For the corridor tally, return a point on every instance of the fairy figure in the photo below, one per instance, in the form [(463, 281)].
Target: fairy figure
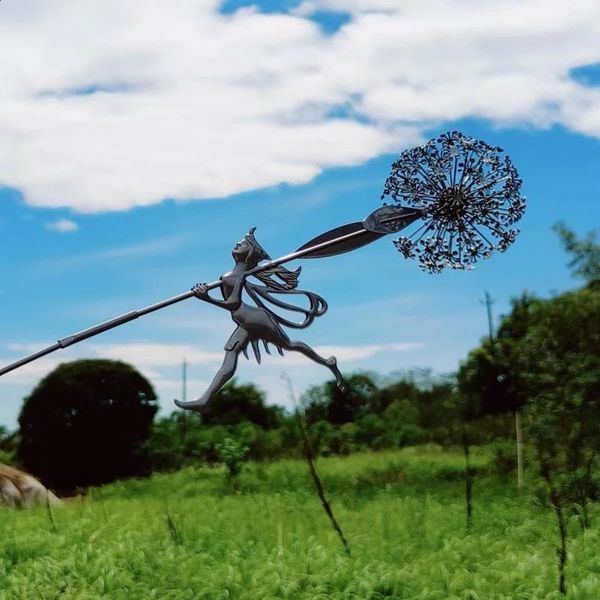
[(260, 322)]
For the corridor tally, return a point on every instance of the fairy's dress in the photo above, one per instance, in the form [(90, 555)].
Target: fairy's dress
[(261, 322)]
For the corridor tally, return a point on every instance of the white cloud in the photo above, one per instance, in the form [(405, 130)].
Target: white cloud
[(148, 356), (115, 104), (353, 353), (152, 359), (161, 363), (155, 247), (156, 356), (62, 226)]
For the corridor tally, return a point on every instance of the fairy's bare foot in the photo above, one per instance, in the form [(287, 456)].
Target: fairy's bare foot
[(332, 364), (198, 405)]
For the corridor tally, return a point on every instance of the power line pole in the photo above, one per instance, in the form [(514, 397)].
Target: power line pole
[(184, 380), (488, 303), (183, 415)]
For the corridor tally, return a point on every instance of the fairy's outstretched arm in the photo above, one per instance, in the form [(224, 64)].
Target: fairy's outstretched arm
[(231, 303)]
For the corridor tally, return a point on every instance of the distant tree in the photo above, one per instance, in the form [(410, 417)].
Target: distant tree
[(584, 253), (232, 454), (327, 402), (84, 424), (403, 424), (418, 406), (489, 379), (8, 446), (546, 359), (402, 389), (166, 448), (236, 403), (414, 407), (559, 362), (7, 439)]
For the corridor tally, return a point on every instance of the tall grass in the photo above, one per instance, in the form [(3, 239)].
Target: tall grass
[(403, 513)]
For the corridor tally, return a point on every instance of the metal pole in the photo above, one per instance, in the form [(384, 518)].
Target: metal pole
[(135, 314), (402, 218), (519, 435), (518, 427), (184, 380), (183, 415), (488, 302)]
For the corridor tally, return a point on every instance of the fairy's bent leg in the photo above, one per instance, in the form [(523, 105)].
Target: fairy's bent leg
[(330, 363), (224, 374)]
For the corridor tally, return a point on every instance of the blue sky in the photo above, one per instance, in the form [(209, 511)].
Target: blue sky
[(134, 165)]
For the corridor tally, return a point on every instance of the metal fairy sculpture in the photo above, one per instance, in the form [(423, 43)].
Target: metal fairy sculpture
[(259, 323), (465, 192)]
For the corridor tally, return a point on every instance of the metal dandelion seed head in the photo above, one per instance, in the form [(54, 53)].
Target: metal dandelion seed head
[(470, 192)]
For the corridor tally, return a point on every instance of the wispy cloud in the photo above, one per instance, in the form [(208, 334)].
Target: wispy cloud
[(359, 353), (62, 226), (158, 355), (143, 355), (161, 363), (155, 247)]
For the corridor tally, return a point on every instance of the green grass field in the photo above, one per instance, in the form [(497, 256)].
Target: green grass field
[(189, 535)]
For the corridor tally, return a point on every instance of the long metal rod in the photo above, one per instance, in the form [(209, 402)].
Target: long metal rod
[(135, 314)]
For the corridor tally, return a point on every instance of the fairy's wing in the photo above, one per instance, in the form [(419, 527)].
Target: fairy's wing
[(266, 297)]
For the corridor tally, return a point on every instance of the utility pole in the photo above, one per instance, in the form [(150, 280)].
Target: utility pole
[(488, 303), (184, 380), (519, 436), (518, 428), (184, 398)]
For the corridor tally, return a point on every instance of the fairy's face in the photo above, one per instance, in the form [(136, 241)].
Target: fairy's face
[(242, 250)]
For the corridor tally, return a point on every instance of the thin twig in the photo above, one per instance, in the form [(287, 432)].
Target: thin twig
[(556, 504), (50, 513), (310, 459)]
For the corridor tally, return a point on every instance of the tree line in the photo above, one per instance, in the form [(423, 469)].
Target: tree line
[(92, 421)]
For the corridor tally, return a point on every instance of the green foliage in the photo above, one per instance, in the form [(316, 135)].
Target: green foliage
[(413, 409), (546, 359), (490, 379), (7, 458), (327, 402), (85, 423), (232, 454), (9, 443), (235, 403), (584, 253), (402, 512), (560, 363), (505, 458)]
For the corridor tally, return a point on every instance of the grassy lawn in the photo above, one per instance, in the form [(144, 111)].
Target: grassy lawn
[(191, 535)]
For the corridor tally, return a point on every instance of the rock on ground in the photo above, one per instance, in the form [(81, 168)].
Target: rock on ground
[(21, 490)]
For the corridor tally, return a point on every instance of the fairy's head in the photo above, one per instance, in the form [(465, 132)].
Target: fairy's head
[(249, 251)]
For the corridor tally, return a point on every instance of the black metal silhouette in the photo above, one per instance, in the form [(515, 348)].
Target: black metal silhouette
[(471, 194), (260, 322), (465, 191), (338, 240)]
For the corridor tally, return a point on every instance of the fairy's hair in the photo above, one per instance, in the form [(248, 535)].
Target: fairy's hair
[(286, 279), (258, 252)]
